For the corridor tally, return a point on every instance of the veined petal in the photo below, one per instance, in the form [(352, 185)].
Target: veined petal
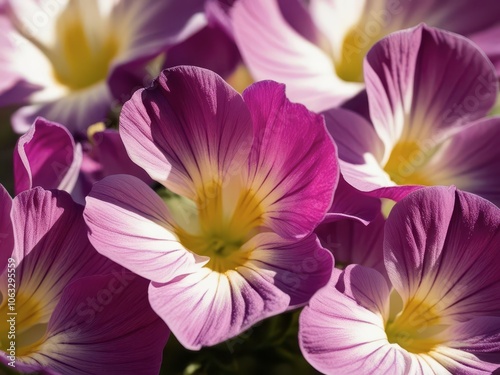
[(51, 246), (470, 159), (423, 83), (98, 313), (344, 333), (188, 130), (46, 156), (352, 242), (6, 231), (441, 250), (272, 49), (206, 307), (473, 346), (292, 167), (350, 203), (130, 224), (299, 268)]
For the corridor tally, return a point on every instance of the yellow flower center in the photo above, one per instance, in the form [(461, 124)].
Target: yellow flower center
[(218, 224), (415, 328), (22, 324), (349, 66), (82, 54), (406, 164)]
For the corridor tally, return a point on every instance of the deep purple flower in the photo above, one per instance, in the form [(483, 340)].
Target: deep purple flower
[(440, 312), (255, 175)]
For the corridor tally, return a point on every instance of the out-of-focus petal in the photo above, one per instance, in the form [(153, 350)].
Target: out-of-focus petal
[(272, 49)]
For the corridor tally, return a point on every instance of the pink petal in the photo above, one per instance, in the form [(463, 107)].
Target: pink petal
[(470, 159), (6, 234), (272, 49), (129, 223), (98, 313), (344, 333), (206, 308), (423, 83), (46, 156), (189, 129), (300, 268), (293, 164), (441, 248), (352, 242)]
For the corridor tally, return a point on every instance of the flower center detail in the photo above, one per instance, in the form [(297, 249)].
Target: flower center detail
[(219, 225), (406, 164), (23, 323), (83, 52), (415, 328)]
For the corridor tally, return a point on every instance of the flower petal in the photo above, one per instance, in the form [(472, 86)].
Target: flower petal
[(77, 111), (51, 245), (425, 82), (187, 130), (272, 49), (299, 268), (205, 308), (102, 312), (292, 166), (129, 223), (473, 347), (441, 248), (344, 333), (149, 28), (350, 203), (486, 39), (352, 242), (46, 156), (6, 233), (470, 159)]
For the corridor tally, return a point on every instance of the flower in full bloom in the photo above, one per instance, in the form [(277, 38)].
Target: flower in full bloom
[(429, 91), (440, 312), (68, 60), (318, 51), (74, 311), (256, 174)]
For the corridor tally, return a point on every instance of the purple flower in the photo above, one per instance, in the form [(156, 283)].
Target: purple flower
[(318, 49), (68, 60), (71, 304), (429, 92), (255, 175), (439, 314)]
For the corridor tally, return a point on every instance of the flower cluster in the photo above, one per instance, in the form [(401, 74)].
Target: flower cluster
[(201, 168)]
